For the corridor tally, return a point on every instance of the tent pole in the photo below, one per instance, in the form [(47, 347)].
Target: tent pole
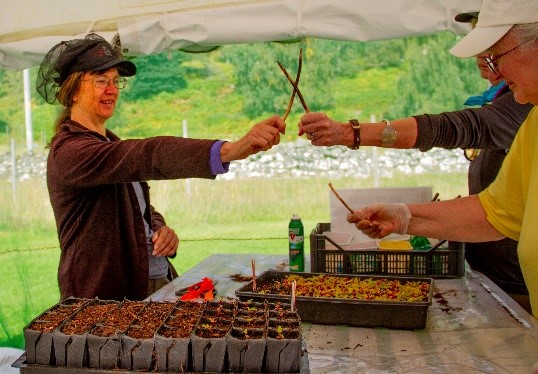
[(28, 110)]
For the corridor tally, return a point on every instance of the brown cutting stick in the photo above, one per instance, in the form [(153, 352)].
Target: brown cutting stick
[(345, 204), (297, 77), (295, 87), (348, 207), (253, 266), (340, 198)]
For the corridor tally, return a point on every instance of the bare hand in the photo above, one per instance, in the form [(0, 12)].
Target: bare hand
[(261, 137), (323, 131), (165, 242)]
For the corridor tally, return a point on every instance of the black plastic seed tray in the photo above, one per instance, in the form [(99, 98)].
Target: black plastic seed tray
[(352, 312), (439, 263), (85, 336)]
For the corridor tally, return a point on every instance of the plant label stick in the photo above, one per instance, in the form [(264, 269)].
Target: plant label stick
[(253, 265), (293, 287)]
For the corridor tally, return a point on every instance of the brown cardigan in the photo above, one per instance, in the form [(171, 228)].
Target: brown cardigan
[(100, 227)]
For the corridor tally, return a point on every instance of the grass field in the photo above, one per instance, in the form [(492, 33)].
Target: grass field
[(237, 216)]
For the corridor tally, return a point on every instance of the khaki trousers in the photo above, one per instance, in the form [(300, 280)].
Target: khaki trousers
[(156, 284)]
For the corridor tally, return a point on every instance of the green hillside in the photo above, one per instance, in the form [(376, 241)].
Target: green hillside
[(223, 92)]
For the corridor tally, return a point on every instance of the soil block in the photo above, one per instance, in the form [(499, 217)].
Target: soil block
[(250, 323), (245, 350), (30, 341), (138, 342), (172, 341), (70, 347), (251, 308), (126, 347), (179, 359), (219, 305), (44, 352), (70, 350), (142, 355), (284, 323), (136, 354), (103, 352), (208, 353), (104, 344), (283, 315), (172, 354), (283, 352)]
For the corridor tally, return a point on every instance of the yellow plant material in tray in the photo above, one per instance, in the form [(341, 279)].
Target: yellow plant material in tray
[(402, 245), (354, 300), (323, 285)]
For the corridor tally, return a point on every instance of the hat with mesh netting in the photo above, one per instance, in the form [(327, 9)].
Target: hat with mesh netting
[(93, 53)]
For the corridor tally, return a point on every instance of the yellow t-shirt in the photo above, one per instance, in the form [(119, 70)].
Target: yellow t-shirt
[(511, 201)]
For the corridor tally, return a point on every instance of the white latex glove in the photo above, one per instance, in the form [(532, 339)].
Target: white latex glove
[(380, 220)]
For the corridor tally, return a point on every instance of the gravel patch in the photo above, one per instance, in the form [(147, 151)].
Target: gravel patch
[(297, 159)]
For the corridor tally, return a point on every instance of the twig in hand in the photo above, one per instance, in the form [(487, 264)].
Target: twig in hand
[(348, 207), (253, 264), (340, 198), (295, 87), (297, 77), (435, 197)]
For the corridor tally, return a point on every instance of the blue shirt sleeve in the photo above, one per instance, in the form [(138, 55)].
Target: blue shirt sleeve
[(215, 163)]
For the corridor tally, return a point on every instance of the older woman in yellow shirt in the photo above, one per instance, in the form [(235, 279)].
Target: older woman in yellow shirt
[(508, 31)]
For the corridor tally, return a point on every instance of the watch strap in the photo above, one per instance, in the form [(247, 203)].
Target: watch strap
[(356, 133)]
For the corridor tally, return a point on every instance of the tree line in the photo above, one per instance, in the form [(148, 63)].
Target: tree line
[(429, 78)]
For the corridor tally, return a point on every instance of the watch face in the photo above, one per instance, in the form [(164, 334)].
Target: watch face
[(388, 136)]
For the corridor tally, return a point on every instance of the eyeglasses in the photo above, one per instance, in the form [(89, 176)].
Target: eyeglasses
[(491, 60), (103, 82)]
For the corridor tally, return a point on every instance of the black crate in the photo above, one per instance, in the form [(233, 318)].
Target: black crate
[(439, 263)]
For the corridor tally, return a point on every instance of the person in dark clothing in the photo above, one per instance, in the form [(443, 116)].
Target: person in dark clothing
[(488, 131), (114, 244)]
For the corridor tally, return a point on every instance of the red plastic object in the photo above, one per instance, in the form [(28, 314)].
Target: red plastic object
[(200, 290)]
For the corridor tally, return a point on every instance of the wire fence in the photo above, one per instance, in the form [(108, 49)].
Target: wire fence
[(36, 249)]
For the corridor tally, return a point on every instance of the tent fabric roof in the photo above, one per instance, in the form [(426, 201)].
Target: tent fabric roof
[(29, 28)]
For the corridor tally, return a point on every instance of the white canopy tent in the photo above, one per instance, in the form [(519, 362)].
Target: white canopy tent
[(29, 28)]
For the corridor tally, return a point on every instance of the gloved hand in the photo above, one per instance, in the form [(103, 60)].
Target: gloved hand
[(380, 220)]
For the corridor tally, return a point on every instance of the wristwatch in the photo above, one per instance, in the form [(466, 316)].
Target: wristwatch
[(388, 135), (356, 133)]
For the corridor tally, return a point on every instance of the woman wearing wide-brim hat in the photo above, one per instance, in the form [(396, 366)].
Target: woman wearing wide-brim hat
[(114, 245)]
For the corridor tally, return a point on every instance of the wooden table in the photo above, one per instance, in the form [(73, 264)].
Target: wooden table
[(472, 327)]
